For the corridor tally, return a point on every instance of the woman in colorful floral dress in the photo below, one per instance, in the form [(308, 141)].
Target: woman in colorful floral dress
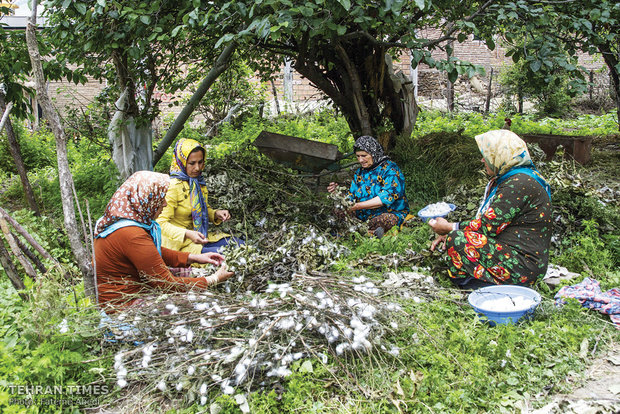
[(508, 240), (378, 188)]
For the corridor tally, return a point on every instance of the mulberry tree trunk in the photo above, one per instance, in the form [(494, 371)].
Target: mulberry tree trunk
[(364, 85), (64, 173)]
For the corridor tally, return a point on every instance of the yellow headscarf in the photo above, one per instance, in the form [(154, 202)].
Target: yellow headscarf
[(503, 150), (181, 151)]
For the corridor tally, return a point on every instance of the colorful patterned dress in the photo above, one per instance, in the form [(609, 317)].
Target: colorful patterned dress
[(509, 243), (385, 181)]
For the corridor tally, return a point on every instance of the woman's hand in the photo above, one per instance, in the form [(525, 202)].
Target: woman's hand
[(221, 275), (332, 187), (222, 215), (209, 257), (196, 236), (440, 225), (441, 241)]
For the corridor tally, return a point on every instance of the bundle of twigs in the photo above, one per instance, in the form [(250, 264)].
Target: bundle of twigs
[(198, 344)]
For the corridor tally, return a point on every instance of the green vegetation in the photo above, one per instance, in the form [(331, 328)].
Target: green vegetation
[(448, 360)]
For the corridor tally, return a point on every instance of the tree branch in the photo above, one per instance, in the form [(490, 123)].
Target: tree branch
[(452, 28), (220, 65)]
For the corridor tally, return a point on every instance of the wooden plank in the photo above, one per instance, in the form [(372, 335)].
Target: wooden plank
[(575, 146)]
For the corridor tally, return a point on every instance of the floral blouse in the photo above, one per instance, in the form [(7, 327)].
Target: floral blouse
[(385, 181), (510, 242)]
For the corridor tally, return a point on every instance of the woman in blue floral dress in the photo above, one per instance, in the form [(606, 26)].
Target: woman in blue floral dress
[(377, 188), (508, 240)]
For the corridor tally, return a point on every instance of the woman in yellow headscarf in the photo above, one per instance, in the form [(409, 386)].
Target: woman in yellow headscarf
[(185, 220), (508, 240)]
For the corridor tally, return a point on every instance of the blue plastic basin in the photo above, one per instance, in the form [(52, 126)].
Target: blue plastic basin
[(478, 297)]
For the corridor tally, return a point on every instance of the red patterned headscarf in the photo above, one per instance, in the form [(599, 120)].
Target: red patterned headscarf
[(139, 198)]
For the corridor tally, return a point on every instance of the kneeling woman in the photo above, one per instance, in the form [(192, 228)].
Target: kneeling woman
[(378, 188), (185, 220), (129, 258), (508, 240)]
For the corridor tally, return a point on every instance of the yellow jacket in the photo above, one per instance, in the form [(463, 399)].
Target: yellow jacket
[(177, 217)]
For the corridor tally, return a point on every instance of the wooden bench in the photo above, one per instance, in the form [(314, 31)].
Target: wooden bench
[(576, 147)]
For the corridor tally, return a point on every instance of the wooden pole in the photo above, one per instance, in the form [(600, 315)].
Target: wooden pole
[(487, 104), (11, 271), (30, 254), (27, 236), (92, 249), (16, 250), (275, 95), (79, 209), (16, 153)]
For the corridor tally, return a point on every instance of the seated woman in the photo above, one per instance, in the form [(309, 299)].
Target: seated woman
[(129, 258), (378, 188), (508, 240), (185, 220)]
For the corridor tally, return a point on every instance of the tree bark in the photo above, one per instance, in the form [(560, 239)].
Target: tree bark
[(64, 173), (11, 271), (220, 65), (17, 158)]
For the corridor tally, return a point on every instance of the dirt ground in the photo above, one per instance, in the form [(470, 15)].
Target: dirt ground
[(599, 394)]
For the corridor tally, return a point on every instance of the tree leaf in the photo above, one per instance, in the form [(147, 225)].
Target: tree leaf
[(346, 4), (145, 19), (453, 75), (419, 4), (175, 31), (81, 8)]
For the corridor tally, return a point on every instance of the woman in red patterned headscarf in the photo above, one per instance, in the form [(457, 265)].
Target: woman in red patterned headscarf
[(129, 258)]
